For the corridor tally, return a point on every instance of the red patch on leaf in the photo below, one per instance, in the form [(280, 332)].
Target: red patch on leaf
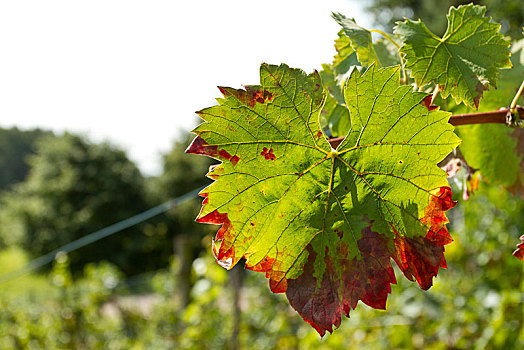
[(262, 96), (440, 201), (205, 196), (219, 219), (225, 255), (268, 154), (420, 258), (250, 96), (225, 154), (234, 160), (200, 146), (271, 267), (256, 95), (367, 278), (226, 263), (278, 286), (426, 102), (264, 265), (519, 252)]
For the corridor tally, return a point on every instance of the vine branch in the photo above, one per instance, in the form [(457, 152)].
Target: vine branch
[(498, 117)]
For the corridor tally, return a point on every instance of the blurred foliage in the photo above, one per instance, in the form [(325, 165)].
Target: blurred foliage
[(74, 188), (15, 146), (475, 304), (510, 13), (176, 231), (181, 173)]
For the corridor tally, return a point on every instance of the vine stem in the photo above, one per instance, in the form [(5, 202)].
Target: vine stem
[(386, 36), (497, 117), (514, 102)]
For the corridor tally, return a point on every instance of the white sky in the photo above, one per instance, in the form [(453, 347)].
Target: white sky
[(134, 72)]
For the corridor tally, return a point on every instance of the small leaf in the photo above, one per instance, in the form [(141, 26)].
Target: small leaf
[(324, 224), (332, 84), (334, 115), (386, 53), (464, 62), (346, 56), (360, 39)]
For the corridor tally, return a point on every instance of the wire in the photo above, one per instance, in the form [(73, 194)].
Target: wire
[(98, 235)]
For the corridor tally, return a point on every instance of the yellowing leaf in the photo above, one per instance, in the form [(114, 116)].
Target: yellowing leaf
[(324, 224)]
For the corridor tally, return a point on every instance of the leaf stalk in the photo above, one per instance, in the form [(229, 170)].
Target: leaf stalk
[(516, 98), (496, 117)]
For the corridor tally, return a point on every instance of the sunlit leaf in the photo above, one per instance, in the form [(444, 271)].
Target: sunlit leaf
[(464, 62), (323, 224)]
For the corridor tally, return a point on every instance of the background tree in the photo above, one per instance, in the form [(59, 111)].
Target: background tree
[(510, 13), (176, 231), (15, 146), (75, 187)]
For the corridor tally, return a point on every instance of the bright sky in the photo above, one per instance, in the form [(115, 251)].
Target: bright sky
[(134, 72)]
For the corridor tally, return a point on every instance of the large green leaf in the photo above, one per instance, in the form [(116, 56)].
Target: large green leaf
[(323, 224), (464, 62)]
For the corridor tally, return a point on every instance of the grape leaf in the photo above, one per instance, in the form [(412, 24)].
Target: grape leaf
[(332, 84), (324, 224), (491, 149), (464, 62), (359, 39), (494, 149), (335, 115), (346, 57), (386, 53), (335, 118)]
